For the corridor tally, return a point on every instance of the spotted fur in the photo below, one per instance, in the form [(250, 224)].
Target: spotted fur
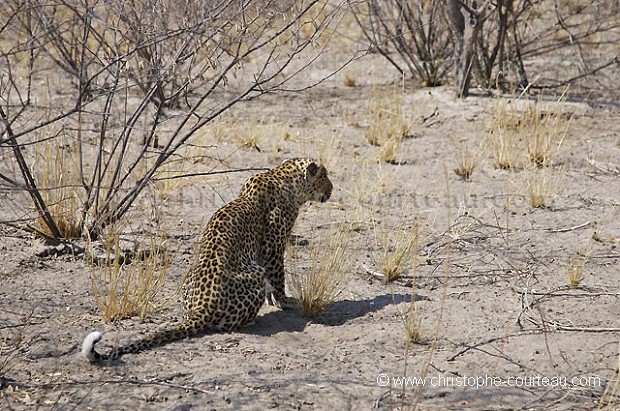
[(241, 257)]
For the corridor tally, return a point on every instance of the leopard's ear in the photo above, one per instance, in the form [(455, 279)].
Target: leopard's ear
[(312, 169)]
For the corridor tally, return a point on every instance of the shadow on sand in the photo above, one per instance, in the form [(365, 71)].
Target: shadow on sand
[(338, 313)]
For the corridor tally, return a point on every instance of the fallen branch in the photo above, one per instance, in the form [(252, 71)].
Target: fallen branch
[(564, 230), (488, 341), (587, 329), (210, 173)]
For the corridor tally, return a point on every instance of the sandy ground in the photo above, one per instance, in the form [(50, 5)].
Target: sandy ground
[(496, 315)]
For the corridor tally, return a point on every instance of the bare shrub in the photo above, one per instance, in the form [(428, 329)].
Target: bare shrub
[(417, 31), (139, 79), (497, 44)]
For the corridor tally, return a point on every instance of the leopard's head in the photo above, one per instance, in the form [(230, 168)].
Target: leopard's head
[(320, 187), (313, 182)]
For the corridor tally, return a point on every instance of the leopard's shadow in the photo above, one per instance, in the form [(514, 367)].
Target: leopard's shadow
[(338, 313)]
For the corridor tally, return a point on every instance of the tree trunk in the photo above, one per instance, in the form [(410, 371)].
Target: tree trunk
[(466, 24)]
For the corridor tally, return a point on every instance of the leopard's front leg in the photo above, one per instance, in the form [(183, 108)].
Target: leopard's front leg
[(272, 253)]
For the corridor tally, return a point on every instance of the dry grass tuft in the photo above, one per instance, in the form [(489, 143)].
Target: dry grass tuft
[(537, 190), (412, 321), (610, 400), (468, 162), (125, 289), (263, 135), (576, 266), (327, 272), (349, 80), (542, 186), (536, 130), (399, 247), (56, 165), (250, 137), (603, 238), (504, 138), (388, 124), (543, 133)]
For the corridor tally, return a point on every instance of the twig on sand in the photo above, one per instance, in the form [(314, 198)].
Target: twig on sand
[(564, 230)]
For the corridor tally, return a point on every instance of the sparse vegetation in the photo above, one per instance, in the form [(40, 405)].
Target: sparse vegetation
[(416, 31), (126, 284), (611, 396), (543, 133), (467, 162), (529, 139), (388, 124), (505, 137), (489, 281), (575, 269), (55, 163), (489, 43), (411, 319), (542, 185), (327, 272), (137, 84), (398, 248), (412, 322), (535, 132), (349, 80), (537, 189), (602, 238)]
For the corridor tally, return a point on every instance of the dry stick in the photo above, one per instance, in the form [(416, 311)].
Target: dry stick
[(564, 230), (587, 329), (210, 173), (544, 325), (613, 61), (488, 341), (557, 292), (553, 294), (373, 273)]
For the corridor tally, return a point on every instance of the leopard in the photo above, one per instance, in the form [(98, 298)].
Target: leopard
[(239, 264)]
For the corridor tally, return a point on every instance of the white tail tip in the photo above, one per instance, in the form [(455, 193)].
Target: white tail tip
[(88, 346)]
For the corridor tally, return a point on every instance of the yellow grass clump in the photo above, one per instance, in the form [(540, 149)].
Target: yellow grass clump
[(327, 272), (535, 133), (542, 185), (388, 124), (504, 137), (576, 266), (398, 248), (55, 164), (123, 289), (468, 162)]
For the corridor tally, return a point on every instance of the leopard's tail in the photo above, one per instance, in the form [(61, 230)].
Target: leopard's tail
[(165, 336)]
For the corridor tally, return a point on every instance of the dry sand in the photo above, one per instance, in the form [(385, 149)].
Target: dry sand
[(492, 300)]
